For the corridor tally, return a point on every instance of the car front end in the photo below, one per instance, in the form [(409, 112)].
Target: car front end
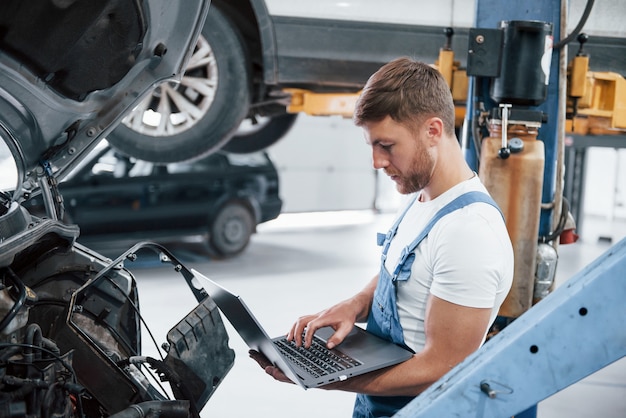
[(70, 324)]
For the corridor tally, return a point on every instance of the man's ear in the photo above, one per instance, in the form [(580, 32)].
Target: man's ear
[(434, 126)]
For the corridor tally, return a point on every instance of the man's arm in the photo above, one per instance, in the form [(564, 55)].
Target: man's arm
[(452, 333)]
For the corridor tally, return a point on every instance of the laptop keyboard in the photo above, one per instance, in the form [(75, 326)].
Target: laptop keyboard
[(317, 359)]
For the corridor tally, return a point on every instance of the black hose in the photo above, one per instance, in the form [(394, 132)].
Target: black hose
[(560, 226), (49, 400), (18, 304), (149, 409), (51, 345), (167, 374), (33, 338), (578, 28)]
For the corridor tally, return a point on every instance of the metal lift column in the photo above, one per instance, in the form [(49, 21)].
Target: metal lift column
[(489, 14)]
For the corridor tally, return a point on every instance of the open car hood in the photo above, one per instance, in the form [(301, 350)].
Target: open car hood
[(70, 70), (70, 317)]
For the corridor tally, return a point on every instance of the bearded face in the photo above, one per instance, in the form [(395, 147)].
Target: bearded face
[(418, 173), (403, 151)]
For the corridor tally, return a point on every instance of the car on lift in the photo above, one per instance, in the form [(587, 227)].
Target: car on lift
[(235, 92), (223, 196), (233, 95)]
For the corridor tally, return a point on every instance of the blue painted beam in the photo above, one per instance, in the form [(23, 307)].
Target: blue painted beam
[(575, 331)]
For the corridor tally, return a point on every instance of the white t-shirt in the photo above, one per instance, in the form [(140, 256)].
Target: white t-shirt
[(466, 259)]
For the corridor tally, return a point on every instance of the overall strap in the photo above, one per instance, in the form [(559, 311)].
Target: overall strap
[(382, 238), (461, 201)]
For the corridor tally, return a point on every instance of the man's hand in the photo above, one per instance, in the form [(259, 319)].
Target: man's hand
[(341, 317), (269, 368)]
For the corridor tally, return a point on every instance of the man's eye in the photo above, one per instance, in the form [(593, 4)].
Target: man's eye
[(385, 147)]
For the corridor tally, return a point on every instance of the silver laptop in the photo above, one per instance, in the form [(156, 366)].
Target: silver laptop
[(359, 353)]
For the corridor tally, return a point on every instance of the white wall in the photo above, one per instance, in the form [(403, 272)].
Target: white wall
[(605, 183), (606, 17), (325, 164)]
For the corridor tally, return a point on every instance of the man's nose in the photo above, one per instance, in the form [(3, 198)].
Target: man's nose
[(379, 160)]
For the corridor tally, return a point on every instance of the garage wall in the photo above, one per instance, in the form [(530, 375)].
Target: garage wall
[(605, 183), (325, 165), (606, 17)]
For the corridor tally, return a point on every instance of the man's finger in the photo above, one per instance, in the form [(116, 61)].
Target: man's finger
[(260, 358), (277, 374), (338, 336), (268, 367)]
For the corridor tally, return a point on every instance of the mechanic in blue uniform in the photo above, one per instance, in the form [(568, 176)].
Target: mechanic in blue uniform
[(447, 261)]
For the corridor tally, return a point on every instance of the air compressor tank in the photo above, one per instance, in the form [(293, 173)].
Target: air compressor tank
[(516, 183)]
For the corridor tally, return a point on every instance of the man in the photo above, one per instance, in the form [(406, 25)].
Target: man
[(440, 295)]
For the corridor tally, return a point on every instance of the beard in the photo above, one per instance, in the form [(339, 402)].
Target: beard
[(418, 176)]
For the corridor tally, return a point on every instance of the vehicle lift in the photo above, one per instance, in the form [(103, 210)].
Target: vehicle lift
[(547, 339), (564, 334)]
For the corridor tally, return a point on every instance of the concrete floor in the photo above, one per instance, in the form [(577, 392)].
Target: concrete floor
[(299, 264)]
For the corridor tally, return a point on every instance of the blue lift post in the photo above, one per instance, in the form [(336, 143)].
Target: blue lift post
[(489, 14)]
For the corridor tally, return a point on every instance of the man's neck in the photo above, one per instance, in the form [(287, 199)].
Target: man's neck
[(449, 171)]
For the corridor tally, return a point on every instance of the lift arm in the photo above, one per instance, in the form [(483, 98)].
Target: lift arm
[(575, 331)]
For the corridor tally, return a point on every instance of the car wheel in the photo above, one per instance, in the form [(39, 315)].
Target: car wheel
[(231, 229), (193, 118), (253, 137)]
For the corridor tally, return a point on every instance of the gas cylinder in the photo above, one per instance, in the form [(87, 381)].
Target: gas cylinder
[(545, 270), (515, 183)]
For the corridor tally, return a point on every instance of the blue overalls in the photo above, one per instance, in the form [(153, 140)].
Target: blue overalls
[(383, 319)]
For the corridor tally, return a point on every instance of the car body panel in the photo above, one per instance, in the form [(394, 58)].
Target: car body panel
[(342, 55), (335, 44), (410, 12), (604, 21)]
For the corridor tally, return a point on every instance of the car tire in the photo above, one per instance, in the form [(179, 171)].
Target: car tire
[(213, 98), (267, 131), (230, 230)]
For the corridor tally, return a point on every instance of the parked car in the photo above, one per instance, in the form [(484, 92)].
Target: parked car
[(233, 95), (223, 196)]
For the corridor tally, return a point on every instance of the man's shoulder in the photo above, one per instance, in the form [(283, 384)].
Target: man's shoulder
[(475, 219), (474, 198)]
